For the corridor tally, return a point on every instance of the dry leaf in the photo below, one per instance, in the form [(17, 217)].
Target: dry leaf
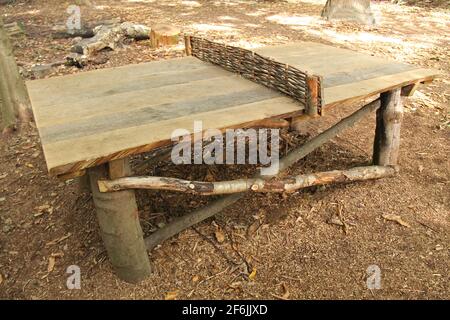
[(195, 279), (171, 295), (396, 218), (252, 275), (220, 237), (51, 264)]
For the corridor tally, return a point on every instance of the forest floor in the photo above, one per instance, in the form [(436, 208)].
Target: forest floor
[(47, 225)]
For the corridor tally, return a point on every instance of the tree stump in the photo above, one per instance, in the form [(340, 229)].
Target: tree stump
[(120, 228), (387, 132), (164, 35), (354, 10)]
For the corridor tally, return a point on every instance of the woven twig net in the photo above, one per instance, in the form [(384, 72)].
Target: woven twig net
[(252, 66)]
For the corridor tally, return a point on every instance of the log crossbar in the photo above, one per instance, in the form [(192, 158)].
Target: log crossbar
[(289, 184)]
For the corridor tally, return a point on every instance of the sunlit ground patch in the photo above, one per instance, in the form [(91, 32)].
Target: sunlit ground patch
[(223, 28), (297, 20), (141, 1), (228, 18), (193, 4)]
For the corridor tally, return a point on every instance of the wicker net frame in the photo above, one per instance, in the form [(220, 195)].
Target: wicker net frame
[(303, 87)]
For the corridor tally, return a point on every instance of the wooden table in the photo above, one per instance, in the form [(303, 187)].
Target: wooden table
[(93, 118)]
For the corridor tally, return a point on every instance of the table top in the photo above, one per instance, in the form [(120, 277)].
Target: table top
[(93, 117)]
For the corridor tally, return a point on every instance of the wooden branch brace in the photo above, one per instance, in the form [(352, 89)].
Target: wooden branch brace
[(289, 184)]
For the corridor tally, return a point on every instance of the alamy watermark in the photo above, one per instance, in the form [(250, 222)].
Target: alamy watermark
[(373, 280), (213, 147), (74, 280), (74, 21)]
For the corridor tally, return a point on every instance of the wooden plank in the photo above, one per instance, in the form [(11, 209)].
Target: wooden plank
[(91, 88), (112, 76), (157, 98), (298, 49), (352, 92), (79, 153), (303, 57), (337, 66), (365, 73), (147, 115)]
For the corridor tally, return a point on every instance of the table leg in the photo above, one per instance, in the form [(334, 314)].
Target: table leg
[(120, 228), (387, 132)]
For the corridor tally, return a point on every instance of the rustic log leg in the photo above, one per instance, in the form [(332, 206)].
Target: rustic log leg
[(387, 132), (119, 224)]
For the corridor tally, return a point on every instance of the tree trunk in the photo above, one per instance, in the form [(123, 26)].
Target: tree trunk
[(120, 228), (354, 10), (15, 104)]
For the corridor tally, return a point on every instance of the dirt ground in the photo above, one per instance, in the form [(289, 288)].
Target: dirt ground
[(296, 252)]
